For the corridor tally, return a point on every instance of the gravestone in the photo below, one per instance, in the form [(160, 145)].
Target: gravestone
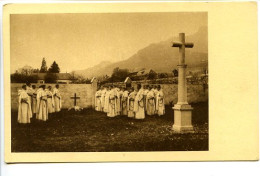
[(75, 107), (75, 99)]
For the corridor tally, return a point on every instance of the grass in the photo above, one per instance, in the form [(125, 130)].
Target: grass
[(91, 131)]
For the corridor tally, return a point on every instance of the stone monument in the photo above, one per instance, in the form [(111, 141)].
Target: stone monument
[(182, 110)]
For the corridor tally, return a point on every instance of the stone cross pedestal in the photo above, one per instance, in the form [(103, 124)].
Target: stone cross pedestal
[(182, 110)]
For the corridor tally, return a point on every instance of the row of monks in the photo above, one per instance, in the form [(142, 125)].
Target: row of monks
[(134, 103), (38, 102)]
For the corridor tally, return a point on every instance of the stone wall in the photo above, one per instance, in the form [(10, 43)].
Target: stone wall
[(195, 93), (84, 91)]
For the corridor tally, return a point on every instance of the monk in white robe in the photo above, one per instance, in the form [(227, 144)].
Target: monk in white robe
[(29, 91), (150, 102), (145, 94), (38, 102), (34, 103), (155, 94), (50, 100), (106, 102), (118, 101), (98, 100), (112, 105), (160, 107), (24, 108), (139, 103), (103, 95), (130, 104), (42, 106), (57, 98), (124, 99)]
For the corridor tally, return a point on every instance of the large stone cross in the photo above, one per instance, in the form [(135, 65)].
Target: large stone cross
[(182, 88), (182, 110), (182, 45), (75, 99)]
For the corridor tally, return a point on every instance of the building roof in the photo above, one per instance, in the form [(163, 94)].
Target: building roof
[(93, 79), (60, 76), (141, 72), (128, 80)]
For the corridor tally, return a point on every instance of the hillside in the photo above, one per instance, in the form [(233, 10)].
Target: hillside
[(160, 57)]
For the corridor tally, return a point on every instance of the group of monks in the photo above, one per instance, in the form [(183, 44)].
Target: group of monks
[(134, 103), (38, 103)]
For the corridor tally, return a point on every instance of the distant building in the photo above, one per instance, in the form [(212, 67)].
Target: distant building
[(141, 74), (63, 78), (128, 82)]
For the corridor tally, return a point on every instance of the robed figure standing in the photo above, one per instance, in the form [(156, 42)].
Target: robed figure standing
[(57, 98), (98, 100), (50, 100), (42, 106), (29, 91), (103, 95), (139, 103), (150, 102), (130, 103), (34, 102), (160, 107), (146, 87), (124, 99), (106, 101), (112, 105), (154, 89), (24, 108), (118, 100)]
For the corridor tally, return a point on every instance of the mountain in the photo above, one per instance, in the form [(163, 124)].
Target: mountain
[(160, 57), (94, 71)]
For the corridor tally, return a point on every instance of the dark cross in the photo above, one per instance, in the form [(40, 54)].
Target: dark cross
[(182, 45), (75, 99)]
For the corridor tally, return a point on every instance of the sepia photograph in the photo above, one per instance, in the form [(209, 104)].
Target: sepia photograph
[(127, 82), (109, 82)]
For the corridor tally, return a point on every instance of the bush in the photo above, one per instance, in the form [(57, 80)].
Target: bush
[(50, 78), (152, 75), (119, 75), (162, 75), (21, 78)]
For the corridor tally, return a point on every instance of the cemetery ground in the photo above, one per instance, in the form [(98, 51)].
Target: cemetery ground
[(91, 131)]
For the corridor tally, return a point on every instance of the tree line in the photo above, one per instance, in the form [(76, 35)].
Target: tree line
[(27, 74), (119, 75)]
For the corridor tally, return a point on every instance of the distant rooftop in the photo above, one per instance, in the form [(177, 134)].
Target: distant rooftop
[(60, 76)]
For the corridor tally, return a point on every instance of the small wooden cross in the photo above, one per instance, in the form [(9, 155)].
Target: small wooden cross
[(182, 45), (75, 99)]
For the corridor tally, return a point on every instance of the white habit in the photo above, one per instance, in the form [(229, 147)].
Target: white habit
[(42, 107), (24, 109), (98, 100), (50, 101), (139, 105), (160, 108), (150, 103), (57, 100), (112, 106)]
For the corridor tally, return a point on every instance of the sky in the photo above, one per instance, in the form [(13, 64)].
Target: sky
[(80, 41)]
